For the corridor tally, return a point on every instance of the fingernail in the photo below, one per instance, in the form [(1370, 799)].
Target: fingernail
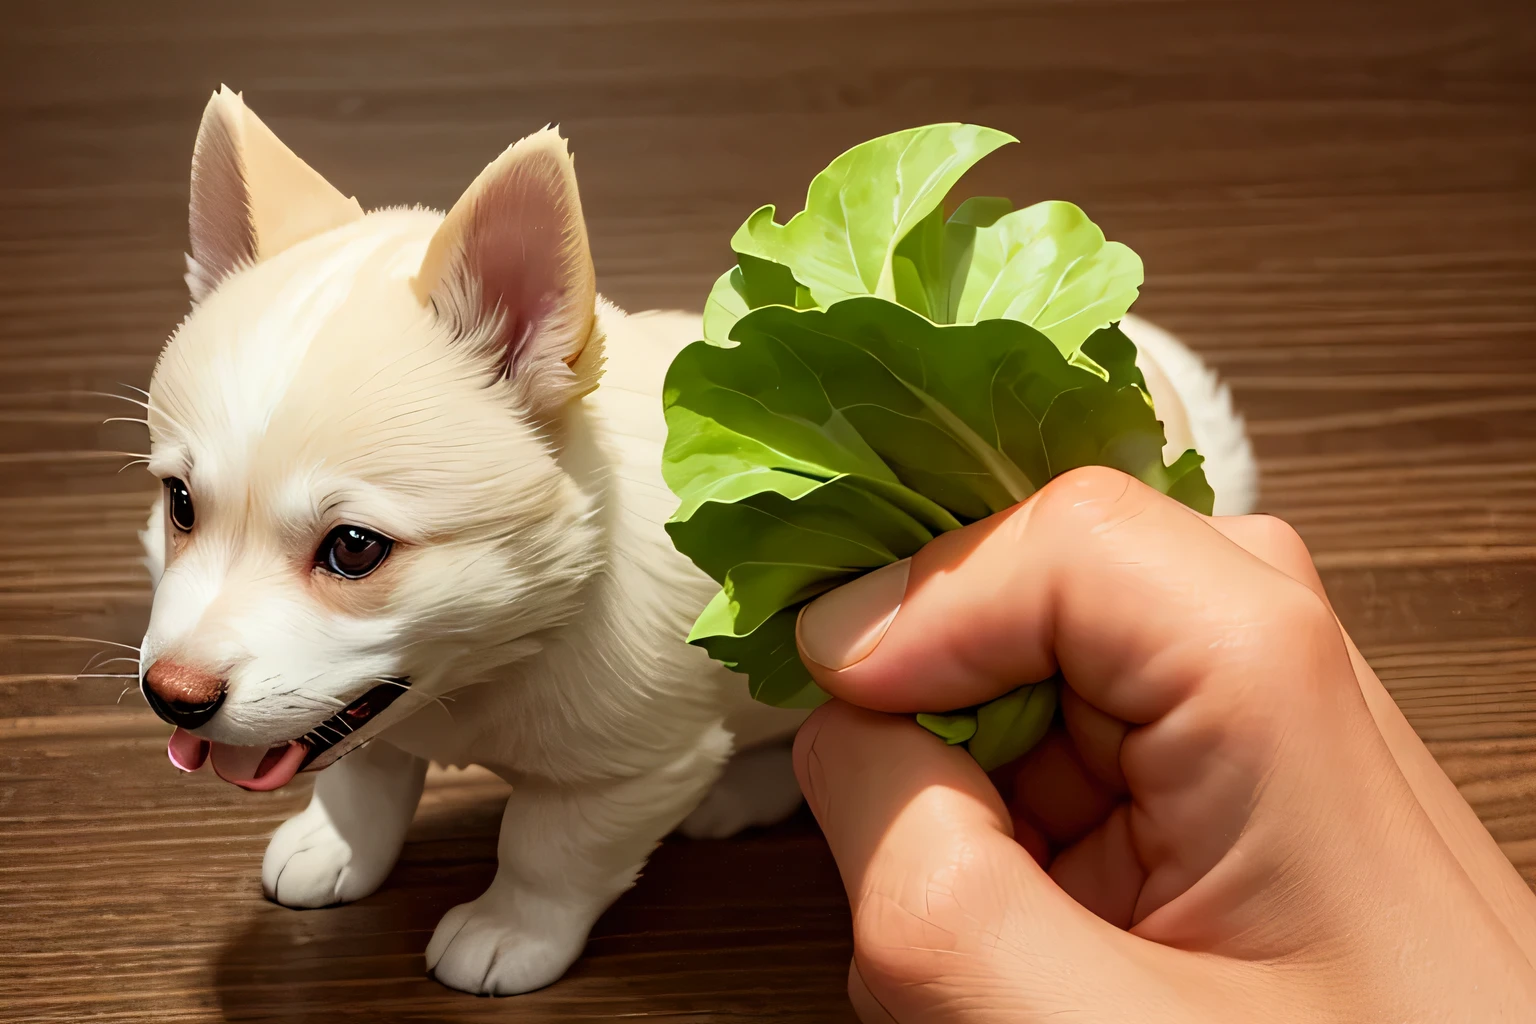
[(841, 628)]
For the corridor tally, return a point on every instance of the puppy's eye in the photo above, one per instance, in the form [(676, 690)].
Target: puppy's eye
[(178, 502), (353, 552)]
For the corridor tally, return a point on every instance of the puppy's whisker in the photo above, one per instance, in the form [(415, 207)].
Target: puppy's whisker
[(143, 404), (102, 394), (109, 661), (331, 729), (318, 699), (66, 639), (441, 701), (310, 695), (94, 663)]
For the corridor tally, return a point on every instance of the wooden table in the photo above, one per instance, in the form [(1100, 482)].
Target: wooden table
[(1336, 203)]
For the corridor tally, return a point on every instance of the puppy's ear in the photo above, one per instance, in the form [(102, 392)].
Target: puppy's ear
[(510, 268), (251, 197)]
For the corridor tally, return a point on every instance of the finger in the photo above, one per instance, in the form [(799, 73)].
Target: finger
[(1056, 794), (1101, 870), (1458, 825), (948, 912), (1098, 738), (1130, 594), (1276, 542), (865, 1006), (1216, 660), (877, 783)]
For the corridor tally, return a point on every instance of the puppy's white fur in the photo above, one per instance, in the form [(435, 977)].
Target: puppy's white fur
[(436, 380), (1197, 413)]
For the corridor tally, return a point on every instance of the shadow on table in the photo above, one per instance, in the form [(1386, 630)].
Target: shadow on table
[(748, 929), (365, 959)]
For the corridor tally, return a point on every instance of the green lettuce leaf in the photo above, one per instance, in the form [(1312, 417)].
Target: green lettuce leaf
[(874, 224), (1049, 266), (1002, 730), (930, 265), (751, 283), (826, 443), (862, 205), (767, 655), (953, 729), (874, 373), (1007, 728)]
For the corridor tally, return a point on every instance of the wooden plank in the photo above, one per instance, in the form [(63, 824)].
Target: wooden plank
[(1336, 206)]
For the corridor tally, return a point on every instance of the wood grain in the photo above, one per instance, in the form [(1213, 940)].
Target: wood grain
[(1335, 201)]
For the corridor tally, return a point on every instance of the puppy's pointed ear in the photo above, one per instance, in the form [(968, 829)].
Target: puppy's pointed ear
[(251, 197), (510, 267)]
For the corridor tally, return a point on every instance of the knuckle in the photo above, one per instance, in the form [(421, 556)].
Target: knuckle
[(1279, 539), (1091, 483), (1081, 500)]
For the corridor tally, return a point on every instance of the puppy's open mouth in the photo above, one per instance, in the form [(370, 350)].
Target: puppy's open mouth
[(265, 768)]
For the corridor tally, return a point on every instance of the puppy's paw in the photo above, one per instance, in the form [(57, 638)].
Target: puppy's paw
[(506, 943), (757, 788), (309, 864)]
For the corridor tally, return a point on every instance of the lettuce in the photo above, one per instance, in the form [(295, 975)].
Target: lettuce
[(874, 373)]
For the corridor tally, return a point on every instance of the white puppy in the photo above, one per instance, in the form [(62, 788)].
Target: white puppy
[(391, 477)]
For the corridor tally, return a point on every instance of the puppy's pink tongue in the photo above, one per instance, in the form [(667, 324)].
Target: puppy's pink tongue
[(258, 768), (186, 751)]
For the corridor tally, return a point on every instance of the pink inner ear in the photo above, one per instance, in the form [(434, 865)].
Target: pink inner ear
[(219, 216), (518, 247)]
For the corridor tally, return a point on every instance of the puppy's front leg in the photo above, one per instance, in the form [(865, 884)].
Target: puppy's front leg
[(564, 855), (341, 847)]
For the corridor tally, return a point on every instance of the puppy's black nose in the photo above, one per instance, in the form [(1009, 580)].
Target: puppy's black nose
[(183, 695)]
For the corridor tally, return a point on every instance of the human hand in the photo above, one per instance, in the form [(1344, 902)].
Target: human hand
[(1231, 821)]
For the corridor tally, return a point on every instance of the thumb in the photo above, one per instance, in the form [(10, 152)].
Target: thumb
[(951, 917)]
